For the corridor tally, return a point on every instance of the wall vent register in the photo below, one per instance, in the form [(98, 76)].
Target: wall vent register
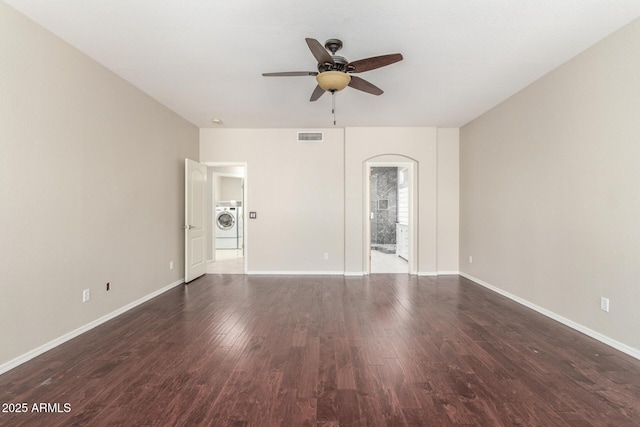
[(310, 136)]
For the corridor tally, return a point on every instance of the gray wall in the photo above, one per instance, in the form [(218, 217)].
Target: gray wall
[(550, 191), (91, 189)]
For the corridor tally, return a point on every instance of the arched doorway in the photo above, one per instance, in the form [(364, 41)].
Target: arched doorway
[(390, 235)]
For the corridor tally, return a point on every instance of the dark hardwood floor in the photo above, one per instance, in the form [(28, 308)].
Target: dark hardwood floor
[(383, 350)]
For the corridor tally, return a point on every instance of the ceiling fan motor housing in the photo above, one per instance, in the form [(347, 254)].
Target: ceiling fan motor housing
[(340, 63)]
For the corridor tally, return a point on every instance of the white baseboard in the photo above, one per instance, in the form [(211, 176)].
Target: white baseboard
[(631, 351), (427, 273), (66, 337), (341, 273), (296, 273)]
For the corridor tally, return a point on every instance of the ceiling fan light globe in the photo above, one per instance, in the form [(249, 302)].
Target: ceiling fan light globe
[(333, 80)]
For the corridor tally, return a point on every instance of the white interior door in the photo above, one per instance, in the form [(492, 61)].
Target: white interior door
[(195, 242)]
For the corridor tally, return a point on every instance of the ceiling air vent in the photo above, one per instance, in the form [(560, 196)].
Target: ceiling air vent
[(310, 136)]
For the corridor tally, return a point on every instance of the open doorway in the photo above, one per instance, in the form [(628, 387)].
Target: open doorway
[(227, 220), (390, 217)]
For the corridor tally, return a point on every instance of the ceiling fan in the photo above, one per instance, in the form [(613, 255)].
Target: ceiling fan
[(335, 72)]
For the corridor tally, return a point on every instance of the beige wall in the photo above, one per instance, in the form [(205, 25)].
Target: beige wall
[(550, 197), (231, 188), (448, 201), (309, 196), (91, 189), (295, 188)]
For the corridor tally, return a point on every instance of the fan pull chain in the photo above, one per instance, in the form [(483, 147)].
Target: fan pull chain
[(333, 106)]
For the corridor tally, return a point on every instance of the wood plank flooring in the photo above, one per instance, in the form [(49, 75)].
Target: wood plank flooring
[(383, 350)]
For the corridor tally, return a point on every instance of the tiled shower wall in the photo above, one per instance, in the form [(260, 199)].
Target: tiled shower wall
[(384, 205)]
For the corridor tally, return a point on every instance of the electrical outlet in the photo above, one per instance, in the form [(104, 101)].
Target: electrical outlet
[(604, 304), (326, 255), (170, 265), (86, 295), (470, 259)]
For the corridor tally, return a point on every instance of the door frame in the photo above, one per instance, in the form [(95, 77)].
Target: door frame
[(245, 196), (412, 167)]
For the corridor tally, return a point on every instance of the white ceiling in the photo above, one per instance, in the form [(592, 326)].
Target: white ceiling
[(204, 58)]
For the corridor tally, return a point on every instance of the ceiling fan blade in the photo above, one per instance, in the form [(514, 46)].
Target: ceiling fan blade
[(374, 62), (317, 93), (365, 86), (319, 52), (291, 73)]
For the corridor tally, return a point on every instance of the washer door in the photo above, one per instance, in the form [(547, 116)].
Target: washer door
[(225, 221)]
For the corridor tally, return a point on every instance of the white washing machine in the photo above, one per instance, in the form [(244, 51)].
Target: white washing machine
[(226, 226)]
